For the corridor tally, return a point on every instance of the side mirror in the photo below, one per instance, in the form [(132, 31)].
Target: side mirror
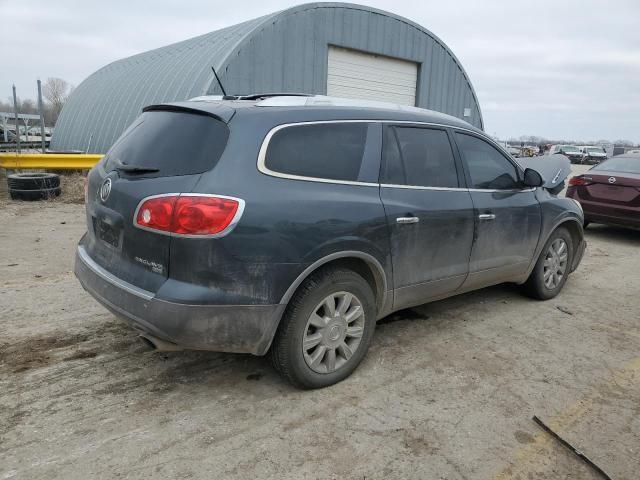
[(532, 178)]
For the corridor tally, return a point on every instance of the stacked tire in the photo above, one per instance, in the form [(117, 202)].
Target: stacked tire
[(33, 186)]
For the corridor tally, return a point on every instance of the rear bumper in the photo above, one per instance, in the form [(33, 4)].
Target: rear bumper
[(221, 328), (607, 213)]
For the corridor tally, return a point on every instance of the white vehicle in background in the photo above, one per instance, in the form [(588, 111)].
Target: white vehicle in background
[(573, 153), (592, 154)]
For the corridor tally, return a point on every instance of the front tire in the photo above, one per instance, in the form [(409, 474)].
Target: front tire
[(552, 268), (326, 329)]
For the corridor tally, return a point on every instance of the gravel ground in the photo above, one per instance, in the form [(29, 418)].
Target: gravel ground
[(447, 391)]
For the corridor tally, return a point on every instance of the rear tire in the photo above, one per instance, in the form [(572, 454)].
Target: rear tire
[(552, 268), (326, 329)]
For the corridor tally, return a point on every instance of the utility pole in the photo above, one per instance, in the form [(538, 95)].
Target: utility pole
[(15, 111), (41, 111)]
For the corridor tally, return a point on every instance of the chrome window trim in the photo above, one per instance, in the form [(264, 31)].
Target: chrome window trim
[(234, 221), (510, 190), (262, 155), (111, 278), (456, 189), (419, 187)]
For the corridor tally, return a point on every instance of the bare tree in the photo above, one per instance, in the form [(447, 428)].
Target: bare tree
[(56, 91)]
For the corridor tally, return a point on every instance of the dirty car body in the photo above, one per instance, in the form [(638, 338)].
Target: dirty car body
[(414, 236)]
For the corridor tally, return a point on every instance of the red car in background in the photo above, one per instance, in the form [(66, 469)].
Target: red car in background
[(609, 193)]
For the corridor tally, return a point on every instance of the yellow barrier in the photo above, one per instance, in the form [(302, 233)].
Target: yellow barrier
[(49, 161)]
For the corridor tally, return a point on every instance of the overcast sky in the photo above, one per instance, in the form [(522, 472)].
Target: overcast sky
[(554, 68)]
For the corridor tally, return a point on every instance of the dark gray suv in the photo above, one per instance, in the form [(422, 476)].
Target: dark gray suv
[(289, 224)]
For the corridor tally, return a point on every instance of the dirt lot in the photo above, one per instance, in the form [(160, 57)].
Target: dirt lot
[(447, 391)]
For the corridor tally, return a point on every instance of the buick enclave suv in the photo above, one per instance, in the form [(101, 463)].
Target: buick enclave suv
[(289, 225)]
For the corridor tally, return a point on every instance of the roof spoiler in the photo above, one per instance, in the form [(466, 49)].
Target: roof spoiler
[(219, 111)]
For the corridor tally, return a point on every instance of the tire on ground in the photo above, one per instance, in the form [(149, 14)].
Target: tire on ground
[(33, 186), (287, 353), (535, 285)]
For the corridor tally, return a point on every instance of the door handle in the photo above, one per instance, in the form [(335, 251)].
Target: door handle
[(486, 216), (405, 220)]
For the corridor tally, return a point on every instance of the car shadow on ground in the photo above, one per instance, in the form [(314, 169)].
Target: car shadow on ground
[(190, 369), (628, 236), (112, 346)]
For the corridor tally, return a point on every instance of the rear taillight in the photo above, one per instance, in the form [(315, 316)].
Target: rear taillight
[(156, 213), (189, 214), (579, 181)]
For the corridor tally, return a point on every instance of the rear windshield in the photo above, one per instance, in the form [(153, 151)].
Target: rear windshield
[(620, 164), (173, 143)]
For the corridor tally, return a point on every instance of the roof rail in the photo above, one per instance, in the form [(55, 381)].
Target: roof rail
[(306, 100), (258, 96), (323, 100), (253, 96)]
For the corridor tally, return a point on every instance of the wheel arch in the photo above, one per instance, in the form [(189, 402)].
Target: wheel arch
[(576, 230), (572, 224), (362, 263), (574, 227)]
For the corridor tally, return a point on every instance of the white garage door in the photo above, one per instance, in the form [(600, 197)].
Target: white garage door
[(354, 74)]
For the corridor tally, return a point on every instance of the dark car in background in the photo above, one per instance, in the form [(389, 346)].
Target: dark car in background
[(609, 192), (289, 225)]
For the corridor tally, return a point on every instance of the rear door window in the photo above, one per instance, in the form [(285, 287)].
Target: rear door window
[(173, 143), (419, 157), (488, 168), (331, 151)]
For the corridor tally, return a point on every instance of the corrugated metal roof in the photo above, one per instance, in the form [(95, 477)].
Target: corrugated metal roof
[(103, 105), (284, 51)]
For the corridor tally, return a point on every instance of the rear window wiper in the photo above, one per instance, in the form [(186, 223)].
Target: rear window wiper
[(125, 167)]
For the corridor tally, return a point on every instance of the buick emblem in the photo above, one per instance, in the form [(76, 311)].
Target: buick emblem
[(612, 179), (105, 190)]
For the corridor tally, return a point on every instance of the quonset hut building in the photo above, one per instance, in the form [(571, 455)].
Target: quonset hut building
[(337, 49)]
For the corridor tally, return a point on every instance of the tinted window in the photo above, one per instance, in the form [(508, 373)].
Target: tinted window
[(175, 143), (488, 168), (418, 156), (326, 150)]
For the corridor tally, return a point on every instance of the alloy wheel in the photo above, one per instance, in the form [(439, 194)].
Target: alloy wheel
[(555, 263), (333, 332)]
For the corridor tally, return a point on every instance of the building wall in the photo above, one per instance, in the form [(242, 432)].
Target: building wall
[(282, 52), (290, 53)]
